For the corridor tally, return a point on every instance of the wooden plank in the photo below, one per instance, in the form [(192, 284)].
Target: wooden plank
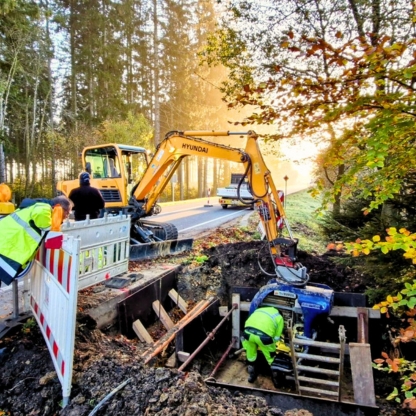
[(362, 374), (171, 362), (161, 344), (141, 332), (162, 315), (182, 305)]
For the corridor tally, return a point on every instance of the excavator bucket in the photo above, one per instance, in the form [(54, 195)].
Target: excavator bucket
[(159, 249)]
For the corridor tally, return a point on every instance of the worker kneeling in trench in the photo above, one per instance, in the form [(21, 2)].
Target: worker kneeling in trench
[(262, 330)]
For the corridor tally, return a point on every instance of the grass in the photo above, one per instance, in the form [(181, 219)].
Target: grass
[(301, 207), (301, 213)]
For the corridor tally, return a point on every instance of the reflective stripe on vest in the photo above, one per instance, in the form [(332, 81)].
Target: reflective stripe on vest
[(7, 268), (27, 228), (271, 316)]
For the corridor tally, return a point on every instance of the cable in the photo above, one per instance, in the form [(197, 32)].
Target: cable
[(242, 180), (109, 395)]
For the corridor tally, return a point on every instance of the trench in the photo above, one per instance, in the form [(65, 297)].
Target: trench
[(204, 342)]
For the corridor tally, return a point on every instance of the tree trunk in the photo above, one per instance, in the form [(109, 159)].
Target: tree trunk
[(156, 74)]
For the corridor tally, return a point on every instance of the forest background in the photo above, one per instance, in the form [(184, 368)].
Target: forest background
[(339, 74)]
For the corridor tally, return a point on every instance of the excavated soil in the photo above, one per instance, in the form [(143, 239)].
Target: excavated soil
[(103, 362)]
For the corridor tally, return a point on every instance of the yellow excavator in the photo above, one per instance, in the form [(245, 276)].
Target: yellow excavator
[(131, 183)]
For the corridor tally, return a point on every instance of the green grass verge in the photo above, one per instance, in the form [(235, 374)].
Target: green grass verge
[(304, 222), (301, 213)]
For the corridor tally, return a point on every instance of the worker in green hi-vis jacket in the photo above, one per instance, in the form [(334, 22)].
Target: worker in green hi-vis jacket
[(262, 330)]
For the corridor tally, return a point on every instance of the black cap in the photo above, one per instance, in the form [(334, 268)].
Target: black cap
[(84, 178)]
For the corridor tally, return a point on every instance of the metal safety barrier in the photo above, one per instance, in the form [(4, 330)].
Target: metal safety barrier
[(104, 249)]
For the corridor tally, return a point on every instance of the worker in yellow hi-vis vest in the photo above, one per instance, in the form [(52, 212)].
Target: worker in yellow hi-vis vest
[(262, 330), (24, 230)]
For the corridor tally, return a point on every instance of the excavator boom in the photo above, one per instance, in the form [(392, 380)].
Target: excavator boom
[(177, 145)]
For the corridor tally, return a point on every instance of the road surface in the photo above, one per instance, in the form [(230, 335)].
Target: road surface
[(194, 217)]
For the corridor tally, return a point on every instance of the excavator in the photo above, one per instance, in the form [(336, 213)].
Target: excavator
[(131, 183)]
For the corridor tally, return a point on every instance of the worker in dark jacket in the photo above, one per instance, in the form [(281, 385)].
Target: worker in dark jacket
[(87, 199), (262, 330), (24, 230)]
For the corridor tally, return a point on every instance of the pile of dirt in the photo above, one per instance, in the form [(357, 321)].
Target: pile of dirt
[(102, 363), (249, 264), (110, 367)]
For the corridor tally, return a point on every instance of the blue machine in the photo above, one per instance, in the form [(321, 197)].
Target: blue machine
[(300, 304)]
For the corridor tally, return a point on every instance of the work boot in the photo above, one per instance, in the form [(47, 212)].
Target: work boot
[(252, 373), (277, 379)]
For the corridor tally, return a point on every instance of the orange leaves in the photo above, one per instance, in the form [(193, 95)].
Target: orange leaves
[(394, 364), (405, 232), (335, 246), (408, 335), (410, 402), (331, 246)]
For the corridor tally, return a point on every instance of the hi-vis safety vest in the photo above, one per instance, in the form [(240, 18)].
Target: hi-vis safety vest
[(21, 234), (267, 320)]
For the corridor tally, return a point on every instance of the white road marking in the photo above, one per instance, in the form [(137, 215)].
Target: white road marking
[(207, 222), (175, 212)]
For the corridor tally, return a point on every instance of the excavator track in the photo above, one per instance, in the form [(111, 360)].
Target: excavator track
[(162, 230), (165, 243)]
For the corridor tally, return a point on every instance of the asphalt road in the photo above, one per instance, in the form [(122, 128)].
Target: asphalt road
[(194, 217)]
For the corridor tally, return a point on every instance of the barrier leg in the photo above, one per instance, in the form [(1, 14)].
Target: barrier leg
[(15, 294)]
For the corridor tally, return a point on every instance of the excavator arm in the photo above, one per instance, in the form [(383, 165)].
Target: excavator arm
[(178, 145)]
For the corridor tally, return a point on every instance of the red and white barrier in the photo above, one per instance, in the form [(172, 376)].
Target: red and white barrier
[(53, 291), (85, 253)]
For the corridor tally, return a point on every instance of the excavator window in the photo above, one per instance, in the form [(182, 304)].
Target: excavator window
[(103, 161), (117, 161)]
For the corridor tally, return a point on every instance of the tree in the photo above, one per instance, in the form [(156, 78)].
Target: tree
[(345, 66), (25, 88), (135, 130)]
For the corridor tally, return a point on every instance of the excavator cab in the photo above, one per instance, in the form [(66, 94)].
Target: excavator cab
[(114, 169)]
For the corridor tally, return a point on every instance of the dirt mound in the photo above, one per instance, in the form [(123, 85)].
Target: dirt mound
[(249, 264)]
